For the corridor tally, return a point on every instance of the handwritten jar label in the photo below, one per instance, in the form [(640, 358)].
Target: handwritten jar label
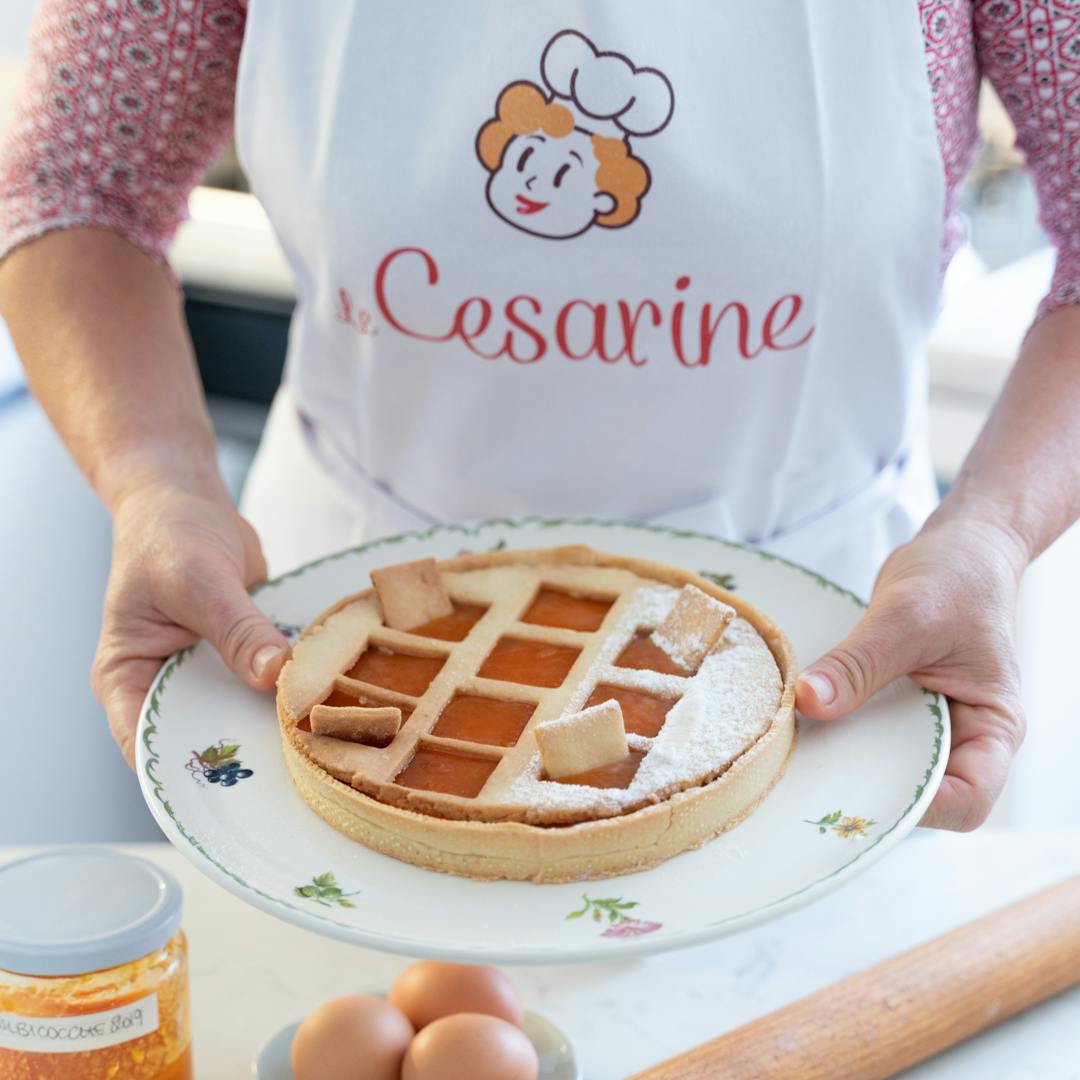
[(76, 1034)]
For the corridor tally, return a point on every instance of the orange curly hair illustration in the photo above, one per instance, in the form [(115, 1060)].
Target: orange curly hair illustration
[(522, 109)]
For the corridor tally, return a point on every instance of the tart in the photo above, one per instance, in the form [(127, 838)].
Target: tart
[(465, 715)]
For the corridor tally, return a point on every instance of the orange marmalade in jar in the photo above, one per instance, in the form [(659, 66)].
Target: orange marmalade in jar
[(93, 969)]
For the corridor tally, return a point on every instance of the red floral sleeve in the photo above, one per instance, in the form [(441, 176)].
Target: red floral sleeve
[(1030, 51), (124, 105), (953, 72)]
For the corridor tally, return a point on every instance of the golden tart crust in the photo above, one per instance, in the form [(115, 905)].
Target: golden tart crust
[(722, 746)]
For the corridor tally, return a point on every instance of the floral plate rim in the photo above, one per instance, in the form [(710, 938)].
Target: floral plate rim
[(154, 789)]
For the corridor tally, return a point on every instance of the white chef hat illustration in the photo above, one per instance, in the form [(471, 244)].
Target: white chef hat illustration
[(607, 94)]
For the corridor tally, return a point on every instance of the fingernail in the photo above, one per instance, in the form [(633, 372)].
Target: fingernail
[(263, 658), (822, 686)]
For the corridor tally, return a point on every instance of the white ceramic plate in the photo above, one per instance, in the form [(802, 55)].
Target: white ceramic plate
[(557, 1061), (210, 766)]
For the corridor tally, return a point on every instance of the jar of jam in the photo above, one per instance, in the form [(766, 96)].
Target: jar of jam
[(93, 969)]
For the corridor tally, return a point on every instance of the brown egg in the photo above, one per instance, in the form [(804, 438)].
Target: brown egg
[(351, 1038), (430, 990), (471, 1045)]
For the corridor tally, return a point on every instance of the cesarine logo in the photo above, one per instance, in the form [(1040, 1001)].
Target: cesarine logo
[(560, 160), (524, 329)]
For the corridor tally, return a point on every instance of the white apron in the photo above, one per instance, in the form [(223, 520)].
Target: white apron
[(673, 262)]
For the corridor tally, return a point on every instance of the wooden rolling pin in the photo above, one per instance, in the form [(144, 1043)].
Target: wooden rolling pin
[(881, 1021)]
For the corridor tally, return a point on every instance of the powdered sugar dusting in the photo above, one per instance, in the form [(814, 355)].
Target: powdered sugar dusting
[(722, 709), (694, 644)]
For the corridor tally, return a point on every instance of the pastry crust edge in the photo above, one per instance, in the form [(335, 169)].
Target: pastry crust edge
[(605, 847)]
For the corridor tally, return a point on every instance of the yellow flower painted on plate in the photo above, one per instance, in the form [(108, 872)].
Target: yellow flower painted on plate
[(847, 827), (852, 826)]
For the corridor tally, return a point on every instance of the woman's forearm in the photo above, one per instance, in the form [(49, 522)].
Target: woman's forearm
[(99, 328), (1023, 473)]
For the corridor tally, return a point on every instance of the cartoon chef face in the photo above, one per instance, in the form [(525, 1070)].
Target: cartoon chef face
[(547, 185), (556, 168)]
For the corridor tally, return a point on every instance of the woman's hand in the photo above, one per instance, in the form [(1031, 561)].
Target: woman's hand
[(943, 611), (108, 355), (180, 566)]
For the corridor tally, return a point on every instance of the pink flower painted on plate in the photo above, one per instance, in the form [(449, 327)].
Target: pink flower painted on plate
[(631, 928)]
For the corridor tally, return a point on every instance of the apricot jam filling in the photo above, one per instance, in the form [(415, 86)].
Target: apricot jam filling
[(554, 608), (477, 719), (398, 671), (620, 774), (641, 653), (534, 663), (452, 627), (643, 714), (445, 771)]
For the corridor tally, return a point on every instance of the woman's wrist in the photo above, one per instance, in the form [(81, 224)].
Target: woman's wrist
[(159, 468), (990, 519)]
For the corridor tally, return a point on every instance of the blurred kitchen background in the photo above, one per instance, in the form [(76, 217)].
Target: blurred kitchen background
[(60, 777)]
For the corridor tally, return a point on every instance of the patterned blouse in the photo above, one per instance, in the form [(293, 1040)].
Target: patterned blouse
[(127, 102)]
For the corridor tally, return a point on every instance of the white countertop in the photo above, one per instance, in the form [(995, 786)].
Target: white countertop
[(252, 974)]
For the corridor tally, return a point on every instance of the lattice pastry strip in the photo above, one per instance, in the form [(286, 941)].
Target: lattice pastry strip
[(460, 664), (549, 701)]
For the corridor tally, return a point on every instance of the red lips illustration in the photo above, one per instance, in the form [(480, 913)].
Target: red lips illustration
[(529, 206)]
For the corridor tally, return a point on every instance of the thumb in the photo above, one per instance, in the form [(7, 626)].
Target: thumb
[(224, 614), (881, 648)]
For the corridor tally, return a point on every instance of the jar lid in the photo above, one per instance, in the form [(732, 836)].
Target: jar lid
[(71, 910)]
